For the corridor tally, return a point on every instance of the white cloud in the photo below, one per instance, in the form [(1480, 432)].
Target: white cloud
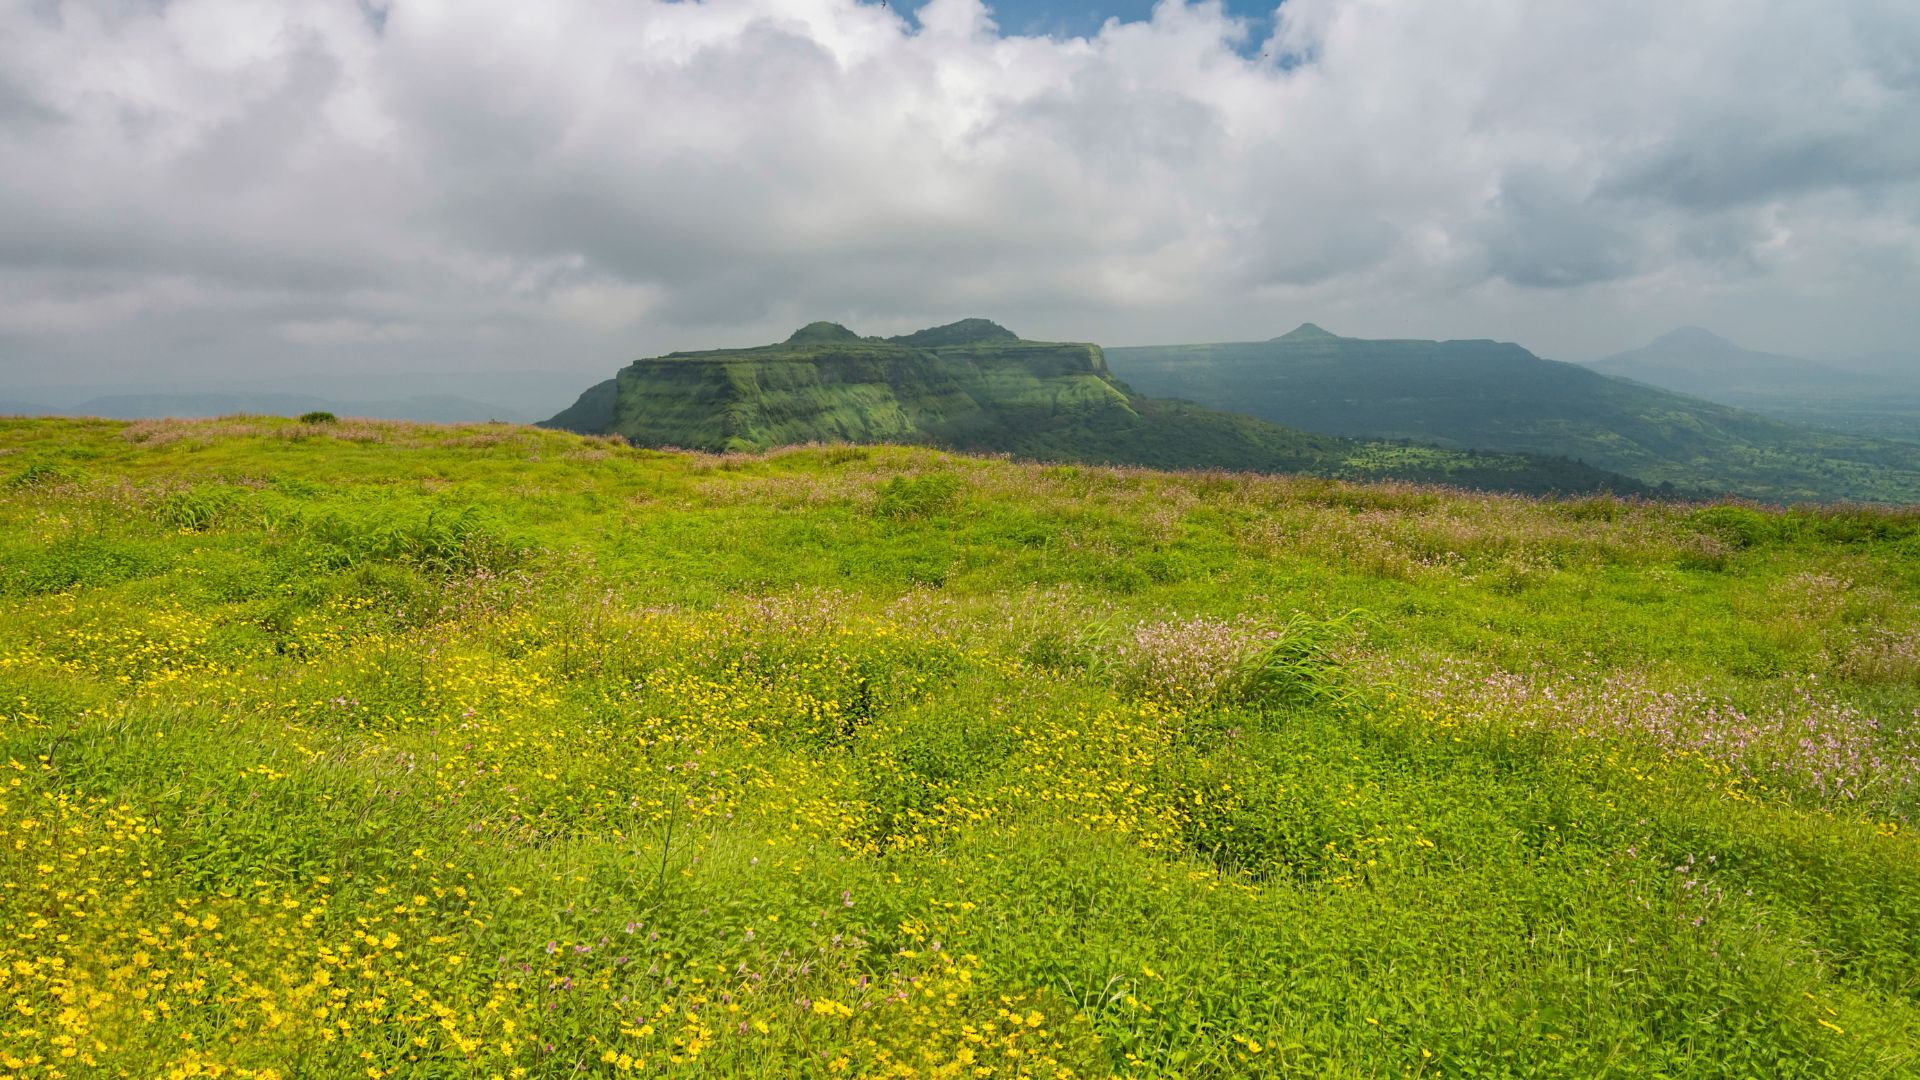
[(339, 184)]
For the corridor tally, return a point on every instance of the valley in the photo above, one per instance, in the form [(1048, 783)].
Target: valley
[(1498, 396)]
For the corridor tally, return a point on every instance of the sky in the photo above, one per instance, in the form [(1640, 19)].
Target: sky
[(212, 190), (1084, 18)]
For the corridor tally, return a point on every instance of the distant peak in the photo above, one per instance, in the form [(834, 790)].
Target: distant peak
[(1691, 336), (822, 331), (964, 332), (1306, 331)]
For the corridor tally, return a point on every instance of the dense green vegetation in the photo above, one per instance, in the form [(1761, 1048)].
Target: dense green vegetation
[(1168, 434), (973, 385), (1890, 414), (368, 749), (1491, 395)]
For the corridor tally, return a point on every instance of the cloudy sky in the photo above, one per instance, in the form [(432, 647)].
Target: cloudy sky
[(198, 189)]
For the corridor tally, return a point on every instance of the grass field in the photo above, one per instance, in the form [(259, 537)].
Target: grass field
[(374, 749)]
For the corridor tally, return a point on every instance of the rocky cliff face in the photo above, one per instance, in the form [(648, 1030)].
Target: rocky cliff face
[(966, 383)]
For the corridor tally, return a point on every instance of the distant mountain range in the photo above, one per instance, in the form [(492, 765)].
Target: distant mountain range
[(1702, 363), (1498, 396), (518, 396), (431, 408), (1690, 413), (1875, 395), (975, 386)]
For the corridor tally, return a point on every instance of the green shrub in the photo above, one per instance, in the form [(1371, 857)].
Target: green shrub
[(318, 416), (1859, 525), (919, 496), (45, 474), (1300, 666), (1739, 526), (198, 509), (440, 540)]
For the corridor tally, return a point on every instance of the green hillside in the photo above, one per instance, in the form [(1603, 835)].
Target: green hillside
[(972, 381), (973, 385), (373, 749), (1492, 395)]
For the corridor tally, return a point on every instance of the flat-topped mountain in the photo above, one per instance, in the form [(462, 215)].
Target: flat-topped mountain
[(974, 385), (1498, 396), (970, 383)]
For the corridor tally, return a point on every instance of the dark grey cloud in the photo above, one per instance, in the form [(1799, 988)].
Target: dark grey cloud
[(205, 186), (1545, 233), (21, 111)]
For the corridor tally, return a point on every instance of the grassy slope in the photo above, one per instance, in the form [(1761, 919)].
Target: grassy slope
[(1496, 396), (455, 751)]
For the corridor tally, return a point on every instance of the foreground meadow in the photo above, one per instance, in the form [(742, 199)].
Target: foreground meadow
[(385, 750)]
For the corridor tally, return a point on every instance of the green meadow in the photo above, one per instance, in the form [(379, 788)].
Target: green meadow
[(368, 749)]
